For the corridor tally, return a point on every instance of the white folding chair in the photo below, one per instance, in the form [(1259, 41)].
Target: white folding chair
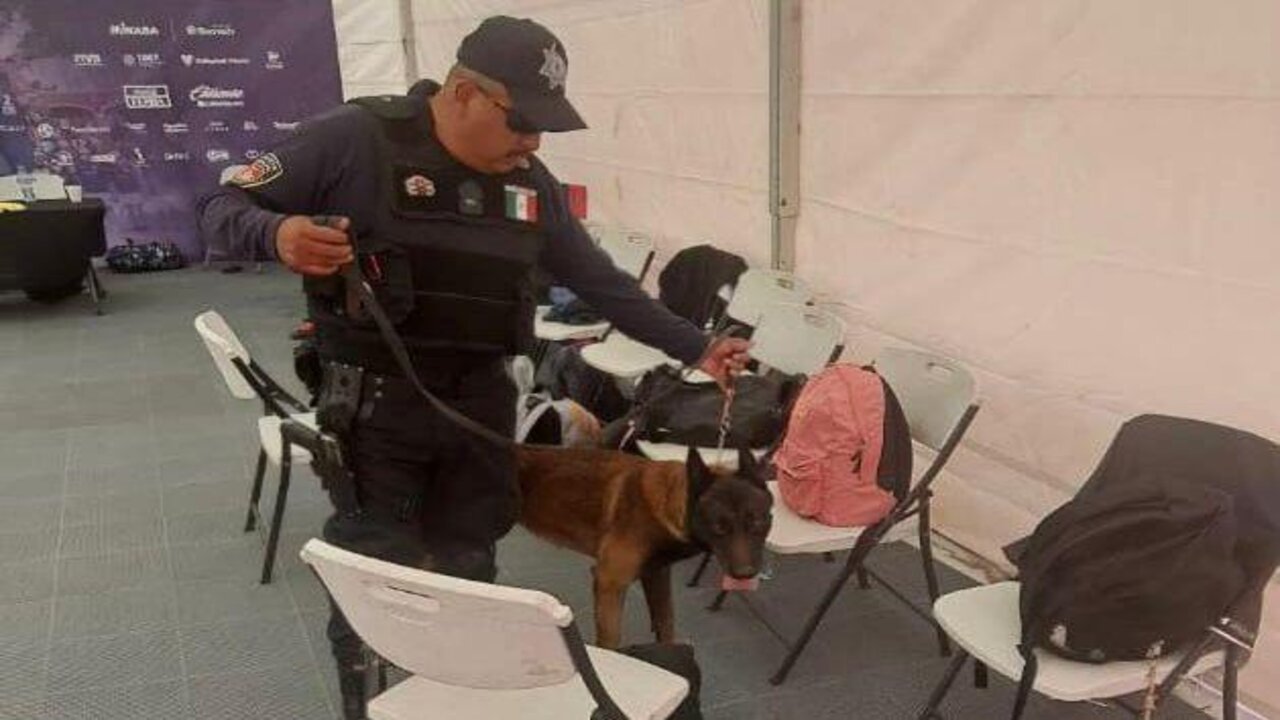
[(477, 651), (627, 359), (246, 380), (795, 339), (985, 623), (938, 397)]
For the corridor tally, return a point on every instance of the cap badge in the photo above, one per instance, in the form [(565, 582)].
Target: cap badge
[(554, 68), (419, 186)]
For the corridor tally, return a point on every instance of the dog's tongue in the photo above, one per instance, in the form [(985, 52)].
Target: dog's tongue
[(728, 582)]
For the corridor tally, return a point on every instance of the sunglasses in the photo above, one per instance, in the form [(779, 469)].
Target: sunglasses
[(516, 122)]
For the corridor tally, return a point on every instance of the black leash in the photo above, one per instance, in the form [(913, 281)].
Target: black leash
[(354, 278)]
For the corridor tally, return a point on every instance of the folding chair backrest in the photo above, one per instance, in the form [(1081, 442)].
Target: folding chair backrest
[(450, 630), (594, 229), (224, 346), (631, 252), (759, 288), (935, 392), (796, 338)]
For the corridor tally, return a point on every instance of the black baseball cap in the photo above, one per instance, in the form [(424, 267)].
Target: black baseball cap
[(526, 58)]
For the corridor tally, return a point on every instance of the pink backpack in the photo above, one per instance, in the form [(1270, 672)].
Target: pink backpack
[(846, 456)]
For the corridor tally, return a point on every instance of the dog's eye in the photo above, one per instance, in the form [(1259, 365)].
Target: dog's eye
[(719, 527)]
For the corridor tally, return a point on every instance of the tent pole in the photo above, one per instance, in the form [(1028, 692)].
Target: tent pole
[(784, 129)]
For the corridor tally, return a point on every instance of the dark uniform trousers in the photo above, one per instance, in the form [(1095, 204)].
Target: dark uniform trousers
[(432, 494)]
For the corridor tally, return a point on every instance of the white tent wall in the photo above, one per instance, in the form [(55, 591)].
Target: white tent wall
[(371, 47), (676, 96), (1075, 198)]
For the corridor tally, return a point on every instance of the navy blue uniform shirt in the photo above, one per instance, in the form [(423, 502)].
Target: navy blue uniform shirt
[(331, 166)]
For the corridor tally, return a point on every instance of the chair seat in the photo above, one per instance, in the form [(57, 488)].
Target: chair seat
[(985, 622), (269, 436), (794, 534), (562, 332), (726, 459), (622, 357), (641, 690)]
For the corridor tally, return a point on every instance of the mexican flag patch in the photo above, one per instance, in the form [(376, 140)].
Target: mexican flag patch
[(521, 203)]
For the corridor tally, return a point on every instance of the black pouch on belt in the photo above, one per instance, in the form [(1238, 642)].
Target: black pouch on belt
[(339, 397)]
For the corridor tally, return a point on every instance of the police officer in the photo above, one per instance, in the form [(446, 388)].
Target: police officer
[(439, 199)]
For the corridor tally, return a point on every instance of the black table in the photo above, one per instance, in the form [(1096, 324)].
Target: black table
[(45, 250)]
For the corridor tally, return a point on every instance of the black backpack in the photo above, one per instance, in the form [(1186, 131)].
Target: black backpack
[(1174, 531)]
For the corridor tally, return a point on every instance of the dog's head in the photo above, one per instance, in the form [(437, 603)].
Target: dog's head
[(731, 512)]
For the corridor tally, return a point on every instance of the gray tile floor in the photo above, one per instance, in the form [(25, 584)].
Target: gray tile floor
[(128, 591)]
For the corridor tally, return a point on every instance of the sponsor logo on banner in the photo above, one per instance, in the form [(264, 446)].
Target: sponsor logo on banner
[(44, 131), (87, 59), (251, 154), (176, 128), (216, 30), (250, 126), (6, 105), (63, 158), (206, 96), (216, 126), (147, 97), (104, 158), (146, 60), (177, 156), (122, 29), (139, 157), (136, 127), (91, 130), (217, 155), (190, 60), (274, 61), (13, 128), (290, 126)]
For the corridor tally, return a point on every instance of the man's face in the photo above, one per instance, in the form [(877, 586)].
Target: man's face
[(494, 147)]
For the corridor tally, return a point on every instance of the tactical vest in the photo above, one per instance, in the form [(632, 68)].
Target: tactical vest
[(450, 254)]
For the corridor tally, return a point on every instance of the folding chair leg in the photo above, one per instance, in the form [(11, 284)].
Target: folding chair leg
[(931, 571), (931, 707), (856, 558), (980, 677), (864, 582), (95, 288), (719, 601), (702, 567), (277, 515), (1230, 686), (255, 494)]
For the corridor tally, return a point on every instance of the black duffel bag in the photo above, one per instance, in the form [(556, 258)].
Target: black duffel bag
[(674, 411)]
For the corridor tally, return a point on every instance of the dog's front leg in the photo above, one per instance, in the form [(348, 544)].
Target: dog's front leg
[(610, 593), (657, 595)]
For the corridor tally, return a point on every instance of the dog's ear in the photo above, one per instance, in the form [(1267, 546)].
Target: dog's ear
[(699, 474), (748, 468)]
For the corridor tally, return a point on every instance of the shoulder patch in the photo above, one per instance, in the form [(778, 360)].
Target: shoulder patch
[(261, 171), (391, 107)]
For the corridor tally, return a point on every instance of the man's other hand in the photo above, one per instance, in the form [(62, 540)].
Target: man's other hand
[(725, 358), (312, 249)]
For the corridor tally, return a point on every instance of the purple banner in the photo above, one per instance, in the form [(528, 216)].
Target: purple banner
[(146, 102)]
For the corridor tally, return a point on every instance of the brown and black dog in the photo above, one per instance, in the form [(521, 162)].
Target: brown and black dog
[(637, 516)]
